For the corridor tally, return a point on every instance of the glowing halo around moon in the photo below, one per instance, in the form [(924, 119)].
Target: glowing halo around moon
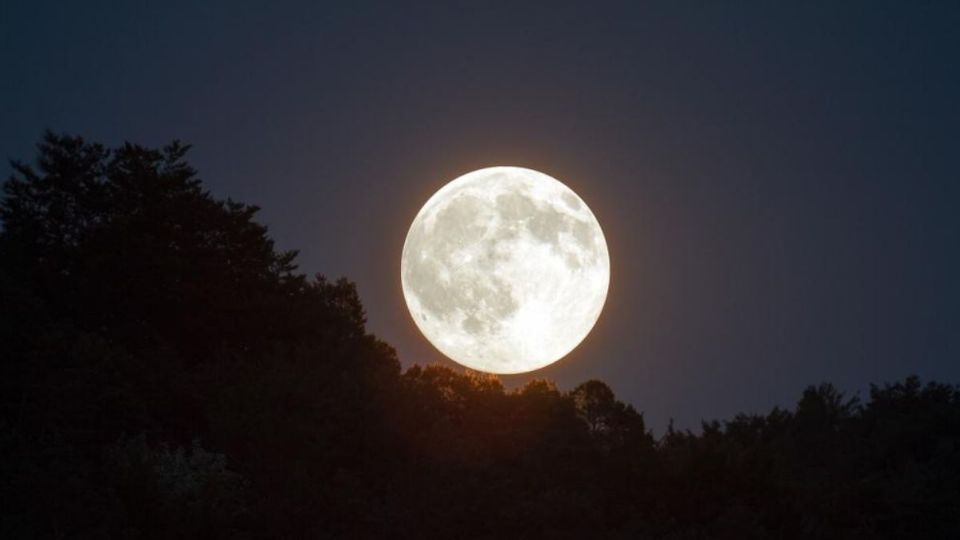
[(505, 270)]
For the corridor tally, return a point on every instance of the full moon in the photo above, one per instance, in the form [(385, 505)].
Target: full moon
[(505, 270)]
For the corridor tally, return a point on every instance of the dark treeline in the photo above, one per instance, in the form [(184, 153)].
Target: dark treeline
[(167, 373)]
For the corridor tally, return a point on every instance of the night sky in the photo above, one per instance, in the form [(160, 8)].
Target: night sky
[(778, 184)]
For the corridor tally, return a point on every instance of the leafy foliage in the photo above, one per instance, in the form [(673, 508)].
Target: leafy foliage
[(166, 372)]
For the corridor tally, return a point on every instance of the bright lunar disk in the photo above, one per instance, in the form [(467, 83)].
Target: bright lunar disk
[(505, 270)]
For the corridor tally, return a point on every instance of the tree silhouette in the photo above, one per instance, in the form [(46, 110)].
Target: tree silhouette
[(165, 372)]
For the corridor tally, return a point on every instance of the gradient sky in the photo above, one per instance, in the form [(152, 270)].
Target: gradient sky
[(779, 184)]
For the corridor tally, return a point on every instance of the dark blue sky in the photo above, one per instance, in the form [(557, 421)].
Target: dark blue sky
[(779, 183)]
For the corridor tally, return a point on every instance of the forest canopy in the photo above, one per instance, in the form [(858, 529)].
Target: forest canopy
[(167, 372)]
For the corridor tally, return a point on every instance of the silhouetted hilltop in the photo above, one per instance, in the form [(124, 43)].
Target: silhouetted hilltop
[(166, 372)]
